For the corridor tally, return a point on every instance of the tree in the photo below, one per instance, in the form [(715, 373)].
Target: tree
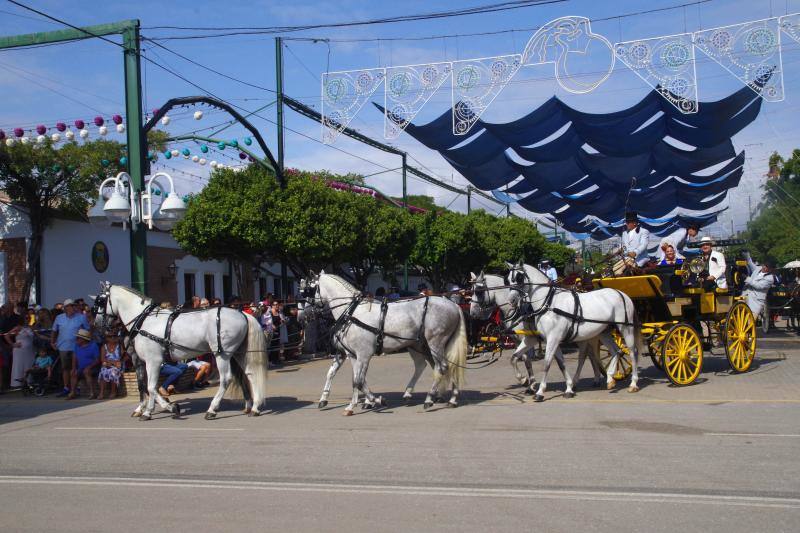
[(508, 239), (44, 181), (421, 201)]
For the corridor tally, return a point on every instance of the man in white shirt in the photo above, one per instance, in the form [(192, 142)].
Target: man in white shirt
[(715, 265), (549, 270), (634, 239), (679, 238), (757, 285)]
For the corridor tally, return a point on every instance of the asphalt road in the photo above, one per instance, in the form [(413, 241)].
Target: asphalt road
[(721, 455)]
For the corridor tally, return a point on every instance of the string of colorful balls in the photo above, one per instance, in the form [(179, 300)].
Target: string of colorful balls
[(18, 134)]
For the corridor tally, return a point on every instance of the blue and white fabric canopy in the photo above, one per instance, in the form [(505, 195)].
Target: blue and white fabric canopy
[(586, 170)]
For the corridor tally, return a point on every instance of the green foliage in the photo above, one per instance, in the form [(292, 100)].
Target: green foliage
[(229, 218), (421, 201)]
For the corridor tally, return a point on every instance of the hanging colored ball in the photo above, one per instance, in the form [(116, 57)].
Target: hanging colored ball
[(204, 148), (150, 154), (105, 162), (198, 115), (120, 128), (98, 121), (234, 143), (24, 140), (56, 168), (165, 120), (55, 137), (70, 135), (185, 197), (168, 154), (102, 130), (2, 135), (41, 139), (195, 158), (157, 192), (175, 153), (10, 141), (123, 161), (185, 151), (213, 163), (202, 161), (19, 132), (60, 126), (242, 155), (117, 119), (248, 141), (154, 157), (80, 124), (220, 145), (41, 129), (155, 111), (84, 134)]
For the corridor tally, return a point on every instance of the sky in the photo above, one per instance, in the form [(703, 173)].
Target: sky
[(79, 80)]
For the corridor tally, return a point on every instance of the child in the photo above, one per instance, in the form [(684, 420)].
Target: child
[(110, 365), (42, 365)]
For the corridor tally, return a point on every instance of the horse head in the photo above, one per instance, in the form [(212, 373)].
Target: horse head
[(101, 307), (308, 297)]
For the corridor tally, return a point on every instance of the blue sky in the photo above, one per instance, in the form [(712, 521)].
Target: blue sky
[(83, 79)]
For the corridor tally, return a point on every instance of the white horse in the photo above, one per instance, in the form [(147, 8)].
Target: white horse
[(491, 291), (430, 328), (234, 337), (562, 316)]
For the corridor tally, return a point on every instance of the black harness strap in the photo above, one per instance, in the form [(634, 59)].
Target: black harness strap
[(168, 332), (219, 335), (381, 333)]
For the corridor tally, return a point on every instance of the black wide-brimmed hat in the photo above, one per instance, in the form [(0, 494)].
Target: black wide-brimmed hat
[(630, 216)]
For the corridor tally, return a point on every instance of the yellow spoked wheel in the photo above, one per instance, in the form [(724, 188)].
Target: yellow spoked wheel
[(624, 368), (740, 337), (682, 354)]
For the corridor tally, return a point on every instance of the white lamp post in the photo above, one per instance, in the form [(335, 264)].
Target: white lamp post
[(123, 206), (172, 206)]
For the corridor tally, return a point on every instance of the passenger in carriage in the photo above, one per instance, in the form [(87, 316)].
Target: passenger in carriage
[(549, 270), (714, 274), (758, 283), (671, 257), (679, 239), (634, 239)]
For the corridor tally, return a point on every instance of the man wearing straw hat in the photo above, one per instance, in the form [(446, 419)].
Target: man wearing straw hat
[(87, 357), (714, 274)]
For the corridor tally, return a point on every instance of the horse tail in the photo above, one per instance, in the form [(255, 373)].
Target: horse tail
[(455, 351), (252, 356)]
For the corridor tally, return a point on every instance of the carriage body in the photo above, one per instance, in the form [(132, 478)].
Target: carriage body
[(678, 323)]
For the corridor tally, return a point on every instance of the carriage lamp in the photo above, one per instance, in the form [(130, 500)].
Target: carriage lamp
[(125, 206), (172, 268)]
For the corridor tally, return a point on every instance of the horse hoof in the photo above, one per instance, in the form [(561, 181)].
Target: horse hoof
[(348, 412), (135, 414), (427, 405), (452, 405), (633, 388), (569, 395), (528, 391), (538, 398), (145, 417), (407, 400), (247, 411), (211, 416), (322, 404), (611, 384), (254, 413)]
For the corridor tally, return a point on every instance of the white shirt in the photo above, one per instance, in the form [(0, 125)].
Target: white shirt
[(717, 268), (636, 241), (677, 239), (552, 273), (756, 286)]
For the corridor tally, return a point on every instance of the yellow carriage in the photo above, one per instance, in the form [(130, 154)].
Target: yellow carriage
[(673, 324)]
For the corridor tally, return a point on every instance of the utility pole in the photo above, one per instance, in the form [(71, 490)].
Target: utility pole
[(279, 106), (137, 143), (469, 199), (750, 207), (405, 206)]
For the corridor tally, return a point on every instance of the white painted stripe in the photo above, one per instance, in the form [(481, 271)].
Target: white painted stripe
[(788, 435), (401, 490), (141, 428)]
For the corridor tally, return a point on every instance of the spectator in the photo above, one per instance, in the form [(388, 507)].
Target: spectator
[(394, 293), (164, 305), (294, 334), (195, 302), (110, 365), (42, 367), (62, 339), (456, 295), (423, 290), (171, 371), (275, 344), (202, 371), (21, 339), (204, 303), (43, 326), (216, 302), (8, 321), (86, 359)]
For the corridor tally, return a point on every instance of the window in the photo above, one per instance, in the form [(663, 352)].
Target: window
[(277, 291), (290, 284), (188, 287), (226, 288), (262, 288), (208, 282)]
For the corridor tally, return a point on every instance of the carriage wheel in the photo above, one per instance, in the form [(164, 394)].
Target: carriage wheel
[(740, 337), (654, 351), (489, 341), (682, 354), (624, 367)]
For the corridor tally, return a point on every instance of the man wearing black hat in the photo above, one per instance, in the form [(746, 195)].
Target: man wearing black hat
[(634, 239), (758, 283)]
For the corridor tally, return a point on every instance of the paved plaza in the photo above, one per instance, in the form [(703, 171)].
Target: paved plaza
[(721, 455)]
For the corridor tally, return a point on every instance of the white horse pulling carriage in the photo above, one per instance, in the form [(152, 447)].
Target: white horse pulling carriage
[(235, 338)]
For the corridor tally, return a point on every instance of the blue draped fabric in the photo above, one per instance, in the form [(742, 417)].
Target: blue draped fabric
[(587, 169)]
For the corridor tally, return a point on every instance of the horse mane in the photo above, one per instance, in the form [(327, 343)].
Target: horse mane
[(344, 283), (133, 291)]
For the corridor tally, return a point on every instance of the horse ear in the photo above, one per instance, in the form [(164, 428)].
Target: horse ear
[(472, 276), (521, 264), (482, 274), (321, 272), (509, 265)]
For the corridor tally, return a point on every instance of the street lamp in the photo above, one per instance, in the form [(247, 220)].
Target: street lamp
[(123, 205)]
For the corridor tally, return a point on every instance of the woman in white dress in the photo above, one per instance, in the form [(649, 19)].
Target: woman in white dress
[(21, 338)]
